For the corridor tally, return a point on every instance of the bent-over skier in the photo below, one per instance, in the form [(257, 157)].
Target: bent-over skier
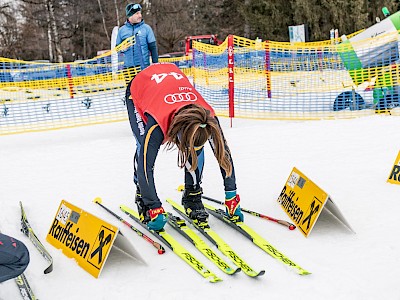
[(166, 108)]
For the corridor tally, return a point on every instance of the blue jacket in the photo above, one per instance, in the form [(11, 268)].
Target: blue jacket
[(138, 54)]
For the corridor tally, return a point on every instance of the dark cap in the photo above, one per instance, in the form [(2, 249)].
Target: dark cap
[(131, 9)]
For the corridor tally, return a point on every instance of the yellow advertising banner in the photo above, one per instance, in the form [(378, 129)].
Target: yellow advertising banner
[(302, 200), (394, 176), (82, 236)]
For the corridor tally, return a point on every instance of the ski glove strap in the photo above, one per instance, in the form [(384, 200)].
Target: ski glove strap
[(155, 212), (233, 208), (158, 218)]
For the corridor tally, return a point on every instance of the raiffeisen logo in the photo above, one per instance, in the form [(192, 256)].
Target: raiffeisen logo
[(288, 202), (395, 175), (69, 236)]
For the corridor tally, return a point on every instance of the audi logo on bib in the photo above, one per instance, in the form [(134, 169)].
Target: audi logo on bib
[(179, 97)]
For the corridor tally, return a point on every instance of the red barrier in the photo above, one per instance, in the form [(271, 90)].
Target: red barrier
[(70, 82), (268, 68), (231, 85)]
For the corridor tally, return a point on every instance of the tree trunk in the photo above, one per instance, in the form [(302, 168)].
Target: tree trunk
[(246, 28), (104, 21), (53, 25), (154, 14), (116, 11), (49, 37), (84, 43)]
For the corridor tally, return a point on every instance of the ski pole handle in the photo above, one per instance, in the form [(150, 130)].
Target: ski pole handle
[(156, 245), (282, 222)]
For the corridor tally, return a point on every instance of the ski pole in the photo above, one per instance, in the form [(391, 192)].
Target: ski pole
[(158, 246), (282, 222)]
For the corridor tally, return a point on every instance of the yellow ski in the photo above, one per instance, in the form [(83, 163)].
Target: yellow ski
[(180, 225), (175, 246), (214, 238), (256, 239)]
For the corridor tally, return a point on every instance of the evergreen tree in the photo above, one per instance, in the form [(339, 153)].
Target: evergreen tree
[(267, 19)]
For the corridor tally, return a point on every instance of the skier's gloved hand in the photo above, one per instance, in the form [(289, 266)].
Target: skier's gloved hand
[(158, 218), (233, 207)]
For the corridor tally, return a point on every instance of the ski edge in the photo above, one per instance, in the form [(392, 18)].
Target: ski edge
[(200, 244), (215, 239), (24, 287), (256, 239), (175, 246), (28, 231)]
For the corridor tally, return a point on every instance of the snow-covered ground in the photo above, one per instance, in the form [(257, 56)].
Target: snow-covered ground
[(349, 159)]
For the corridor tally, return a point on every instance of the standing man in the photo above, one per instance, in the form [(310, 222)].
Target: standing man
[(14, 257), (137, 55)]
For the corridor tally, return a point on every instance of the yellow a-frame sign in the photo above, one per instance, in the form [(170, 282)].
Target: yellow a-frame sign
[(394, 176), (303, 201), (86, 238)]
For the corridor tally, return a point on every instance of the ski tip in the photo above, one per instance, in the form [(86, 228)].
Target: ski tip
[(48, 269), (181, 188), (236, 271), (97, 200), (304, 272), (214, 279), (254, 274)]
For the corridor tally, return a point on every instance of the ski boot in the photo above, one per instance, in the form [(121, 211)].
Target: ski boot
[(142, 209), (194, 208)]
